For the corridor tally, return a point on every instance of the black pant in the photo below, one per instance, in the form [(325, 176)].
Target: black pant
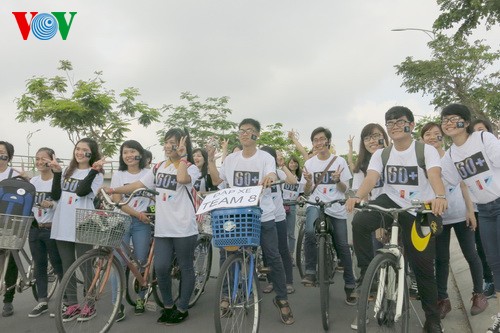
[(422, 263), (487, 275), (10, 280)]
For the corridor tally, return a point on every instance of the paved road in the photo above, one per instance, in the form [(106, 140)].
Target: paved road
[(305, 305)]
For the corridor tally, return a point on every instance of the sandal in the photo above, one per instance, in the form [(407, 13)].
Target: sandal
[(268, 289), (286, 318), (224, 308)]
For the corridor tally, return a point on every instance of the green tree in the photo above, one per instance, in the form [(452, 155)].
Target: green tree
[(467, 14), (203, 120), (84, 108), (457, 72)]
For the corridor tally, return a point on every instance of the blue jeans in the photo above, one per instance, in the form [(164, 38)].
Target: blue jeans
[(183, 248), (340, 241), (291, 219), (40, 246), (489, 215), (283, 250), (140, 233)]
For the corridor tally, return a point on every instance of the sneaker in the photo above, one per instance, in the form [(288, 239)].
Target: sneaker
[(495, 327), (309, 280), (8, 310), (444, 306), (479, 303), (489, 290), (88, 312), (433, 327), (350, 296), (165, 314), (339, 268), (39, 309), (290, 289), (63, 309), (177, 317), (139, 307), (354, 324), (121, 314), (72, 312), (268, 289)]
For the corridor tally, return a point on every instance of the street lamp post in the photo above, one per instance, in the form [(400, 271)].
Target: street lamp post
[(429, 33), (28, 141)]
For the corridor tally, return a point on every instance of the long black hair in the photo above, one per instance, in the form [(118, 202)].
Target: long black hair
[(204, 170), (132, 144), (95, 155), (298, 172), (178, 133), (364, 155)]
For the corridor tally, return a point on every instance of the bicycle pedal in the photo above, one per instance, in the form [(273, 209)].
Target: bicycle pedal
[(264, 270)]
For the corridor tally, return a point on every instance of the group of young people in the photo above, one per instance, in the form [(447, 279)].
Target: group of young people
[(460, 183)]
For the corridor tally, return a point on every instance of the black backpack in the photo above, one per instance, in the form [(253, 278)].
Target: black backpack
[(17, 196)]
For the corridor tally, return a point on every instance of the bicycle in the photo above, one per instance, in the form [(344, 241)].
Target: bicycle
[(327, 259), (14, 231), (203, 253), (385, 288), (103, 229)]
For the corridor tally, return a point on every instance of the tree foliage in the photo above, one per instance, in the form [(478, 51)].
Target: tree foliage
[(457, 72), (467, 14), (203, 120), (84, 108)]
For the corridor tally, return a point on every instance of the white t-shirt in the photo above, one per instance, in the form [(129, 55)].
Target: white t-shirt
[(404, 179), (175, 215), (456, 211), (5, 174), (358, 178), (477, 163), (326, 189), (239, 171), (277, 196), (64, 222), (142, 199), (43, 192), (292, 191)]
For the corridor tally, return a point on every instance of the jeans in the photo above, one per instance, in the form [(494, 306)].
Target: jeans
[(283, 250), (489, 215), (69, 252), (421, 263), (41, 245), (339, 237), (465, 237), (270, 250), (140, 233), (183, 247), (487, 275), (291, 219)]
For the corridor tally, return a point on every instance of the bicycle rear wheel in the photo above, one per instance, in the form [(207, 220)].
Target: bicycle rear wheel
[(237, 296), (300, 257), (202, 267), (379, 294), (94, 310), (324, 274)]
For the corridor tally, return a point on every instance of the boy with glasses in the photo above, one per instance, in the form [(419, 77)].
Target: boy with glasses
[(404, 181)]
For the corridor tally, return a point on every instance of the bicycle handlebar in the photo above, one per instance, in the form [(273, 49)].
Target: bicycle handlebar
[(123, 203), (416, 205), (318, 202)]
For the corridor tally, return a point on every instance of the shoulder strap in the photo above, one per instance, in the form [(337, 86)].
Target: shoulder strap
[(323, 173), (420, 152), (385, 156), (156, 167), (482, 138), (11, 172)]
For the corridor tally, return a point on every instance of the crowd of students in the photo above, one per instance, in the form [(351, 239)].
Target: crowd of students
[(462, 185)]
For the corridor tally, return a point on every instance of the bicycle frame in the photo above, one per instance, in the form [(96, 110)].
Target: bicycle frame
[(25, 278), (141, 278)]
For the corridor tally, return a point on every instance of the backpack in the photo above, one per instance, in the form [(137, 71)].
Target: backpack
[(17, 196), (419, 151)]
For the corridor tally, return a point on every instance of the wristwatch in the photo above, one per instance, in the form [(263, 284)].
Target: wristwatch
[(440, 196)]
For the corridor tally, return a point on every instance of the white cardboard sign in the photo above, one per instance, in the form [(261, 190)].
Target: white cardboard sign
[(231, 198)]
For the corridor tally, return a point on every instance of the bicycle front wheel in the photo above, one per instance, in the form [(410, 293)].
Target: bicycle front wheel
[(324, 273), (237, 296), (300, 257), (377, 307), (88, 306), (202, 266)]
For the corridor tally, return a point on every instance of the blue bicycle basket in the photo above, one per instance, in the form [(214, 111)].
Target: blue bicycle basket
[(236, 226)]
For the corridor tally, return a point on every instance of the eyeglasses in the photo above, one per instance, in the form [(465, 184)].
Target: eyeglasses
[(399, 123), (374, 136), (319, 140), (452, 120), (246, 131)]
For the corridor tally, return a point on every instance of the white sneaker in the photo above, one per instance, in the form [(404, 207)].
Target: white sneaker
[(354, 324)]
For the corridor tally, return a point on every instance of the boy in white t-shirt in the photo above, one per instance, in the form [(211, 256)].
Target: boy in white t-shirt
[(251, 167), (404, 181)]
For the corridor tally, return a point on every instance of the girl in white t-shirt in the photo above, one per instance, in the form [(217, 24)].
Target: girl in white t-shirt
[(75, 187), (474, 158), (175, 227), (41, 245), (459, 216), (131, 168)]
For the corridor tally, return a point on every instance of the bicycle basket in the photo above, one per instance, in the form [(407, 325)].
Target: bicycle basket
[(236, 226), (101, 227), (14, 231)]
